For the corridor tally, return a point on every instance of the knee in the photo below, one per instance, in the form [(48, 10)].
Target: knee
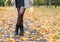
[(21, 11)]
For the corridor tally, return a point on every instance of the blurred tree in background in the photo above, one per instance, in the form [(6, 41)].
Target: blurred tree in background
[(39, 2), (2, 3), (36, 2), (5, 3)]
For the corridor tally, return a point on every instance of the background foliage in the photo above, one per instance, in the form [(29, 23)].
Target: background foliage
[(36, 2)]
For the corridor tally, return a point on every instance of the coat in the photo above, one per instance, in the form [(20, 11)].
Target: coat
[(27, 4)]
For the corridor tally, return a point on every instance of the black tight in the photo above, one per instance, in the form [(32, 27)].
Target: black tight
[(21, 11), (19, 24)]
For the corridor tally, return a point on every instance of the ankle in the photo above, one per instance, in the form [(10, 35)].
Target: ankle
[(17, 25)]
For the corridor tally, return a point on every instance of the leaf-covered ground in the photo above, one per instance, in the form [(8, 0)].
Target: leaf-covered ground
[(41, 25)]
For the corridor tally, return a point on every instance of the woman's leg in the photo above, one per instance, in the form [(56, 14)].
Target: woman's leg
[(21, 11), (17, 24)]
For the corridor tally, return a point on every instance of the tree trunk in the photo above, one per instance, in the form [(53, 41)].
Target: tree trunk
[(56, 2), (49, 2)]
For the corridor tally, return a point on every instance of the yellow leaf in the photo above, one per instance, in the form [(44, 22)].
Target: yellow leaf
[(33, 27), (27, 32), (36, 19), (11, 40), (0, 33), (34, 38), (38, 30), (58, 25), (24, 38)]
